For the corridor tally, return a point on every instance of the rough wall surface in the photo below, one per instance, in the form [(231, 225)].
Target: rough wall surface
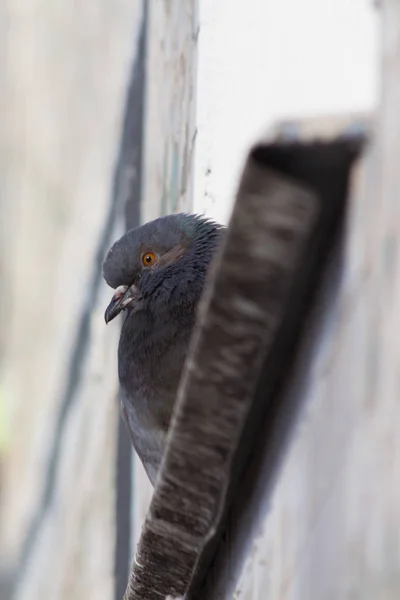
[(63, 92)]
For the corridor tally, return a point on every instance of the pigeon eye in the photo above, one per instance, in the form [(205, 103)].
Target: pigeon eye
[(149, 258)]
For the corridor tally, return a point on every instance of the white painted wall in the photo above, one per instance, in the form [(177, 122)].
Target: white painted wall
[(261, 60)]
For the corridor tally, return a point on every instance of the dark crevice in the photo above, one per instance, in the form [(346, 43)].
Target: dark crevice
[(131, 160)]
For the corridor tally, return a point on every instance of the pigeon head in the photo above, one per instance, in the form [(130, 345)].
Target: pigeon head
[(160, 264)]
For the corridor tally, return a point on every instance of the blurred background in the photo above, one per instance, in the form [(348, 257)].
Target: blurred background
[(111, 114)]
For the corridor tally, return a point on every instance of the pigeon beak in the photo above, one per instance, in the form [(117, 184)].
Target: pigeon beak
[(123, 296)]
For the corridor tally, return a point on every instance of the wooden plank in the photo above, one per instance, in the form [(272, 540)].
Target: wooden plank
[(322, 166), (331, 527)]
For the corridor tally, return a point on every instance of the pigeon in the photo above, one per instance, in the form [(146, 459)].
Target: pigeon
[(158, 272)]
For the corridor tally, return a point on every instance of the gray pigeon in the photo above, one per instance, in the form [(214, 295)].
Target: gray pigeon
[(158, 272)]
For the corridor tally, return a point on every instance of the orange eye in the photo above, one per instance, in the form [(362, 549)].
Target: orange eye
[(149, 258)]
